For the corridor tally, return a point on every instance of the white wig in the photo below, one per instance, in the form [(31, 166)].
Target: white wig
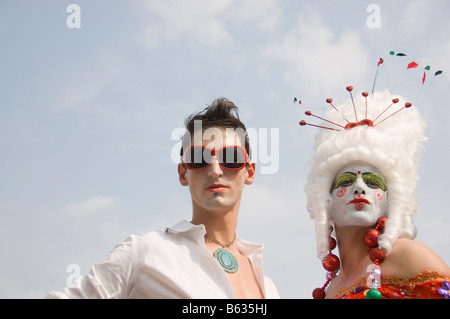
[(393, 147)]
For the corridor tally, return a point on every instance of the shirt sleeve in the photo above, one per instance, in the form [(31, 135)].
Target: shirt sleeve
[(105, 280)]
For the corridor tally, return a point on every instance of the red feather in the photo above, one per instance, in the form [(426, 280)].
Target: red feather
[(412, 65)]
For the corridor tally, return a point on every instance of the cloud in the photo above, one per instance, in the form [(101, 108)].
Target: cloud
[(439, 55), (207, 22), (90, 206), (197, 18), (317, 58), (413, 18), (265, 13)]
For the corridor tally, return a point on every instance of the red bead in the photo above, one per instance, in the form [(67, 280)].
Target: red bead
[(376, 255), (381, 222), (331, 262), (318, 293), (371, 238), (332, 243)]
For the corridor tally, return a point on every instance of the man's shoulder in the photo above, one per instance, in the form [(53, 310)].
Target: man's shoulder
[(164, 236), (410, 257), (148, 237)]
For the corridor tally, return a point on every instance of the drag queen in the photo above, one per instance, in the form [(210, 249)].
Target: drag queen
[(361, 194)]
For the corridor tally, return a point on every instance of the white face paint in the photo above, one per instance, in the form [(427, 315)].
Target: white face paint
[(359, 196)]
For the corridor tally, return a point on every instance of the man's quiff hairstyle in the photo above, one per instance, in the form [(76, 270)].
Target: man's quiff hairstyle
[(223, 114)]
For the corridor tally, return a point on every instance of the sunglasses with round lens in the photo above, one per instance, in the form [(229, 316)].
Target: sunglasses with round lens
[(230, 157)]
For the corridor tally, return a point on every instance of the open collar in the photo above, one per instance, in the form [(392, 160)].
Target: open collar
[(197, 232)]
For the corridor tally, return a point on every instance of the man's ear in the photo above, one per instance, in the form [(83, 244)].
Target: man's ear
[(182, 172), (251, 169)]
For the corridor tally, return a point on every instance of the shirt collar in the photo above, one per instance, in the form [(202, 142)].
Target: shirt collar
[(247, 248), (184, 226), (198, 232)]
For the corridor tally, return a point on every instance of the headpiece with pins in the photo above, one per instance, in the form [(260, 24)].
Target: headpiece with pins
[(357, 122), (366, 121)]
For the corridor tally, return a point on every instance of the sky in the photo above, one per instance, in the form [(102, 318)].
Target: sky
[(93, 97)]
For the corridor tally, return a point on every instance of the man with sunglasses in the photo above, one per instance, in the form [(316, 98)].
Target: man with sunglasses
[(215, 166), (202, 258)]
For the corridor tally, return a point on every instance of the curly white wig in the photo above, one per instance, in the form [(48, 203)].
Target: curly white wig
[(393, 146)]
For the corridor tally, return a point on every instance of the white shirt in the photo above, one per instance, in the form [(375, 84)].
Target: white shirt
[(170, 264)]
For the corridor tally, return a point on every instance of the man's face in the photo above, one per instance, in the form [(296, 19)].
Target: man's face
[(215, 188), (359, 196)]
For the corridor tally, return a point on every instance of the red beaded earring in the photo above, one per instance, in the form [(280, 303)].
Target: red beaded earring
[(331, 263), (377, 256)]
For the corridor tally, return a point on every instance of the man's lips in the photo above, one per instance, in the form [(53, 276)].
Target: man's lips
[(359, 201), (216, 187)]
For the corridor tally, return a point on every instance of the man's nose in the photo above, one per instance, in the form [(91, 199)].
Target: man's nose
[(214, 168), (359, 188)]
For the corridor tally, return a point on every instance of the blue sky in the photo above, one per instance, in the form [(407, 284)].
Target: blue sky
[(89, 119)]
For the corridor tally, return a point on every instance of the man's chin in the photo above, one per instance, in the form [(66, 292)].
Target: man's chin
[(359, 219)]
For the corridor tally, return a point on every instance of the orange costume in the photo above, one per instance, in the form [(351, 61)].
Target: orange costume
[(427, 285)]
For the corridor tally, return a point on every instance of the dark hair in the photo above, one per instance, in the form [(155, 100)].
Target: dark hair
[(222, 113)]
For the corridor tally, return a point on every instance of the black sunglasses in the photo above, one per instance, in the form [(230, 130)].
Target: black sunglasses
[(230, 157)]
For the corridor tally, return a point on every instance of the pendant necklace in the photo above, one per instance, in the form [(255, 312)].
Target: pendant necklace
[(225, 258)]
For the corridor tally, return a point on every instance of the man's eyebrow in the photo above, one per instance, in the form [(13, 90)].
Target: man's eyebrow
[(376, 178), (342, 176)]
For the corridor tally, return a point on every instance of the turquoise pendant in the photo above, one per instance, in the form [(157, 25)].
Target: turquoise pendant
[(226, 260)]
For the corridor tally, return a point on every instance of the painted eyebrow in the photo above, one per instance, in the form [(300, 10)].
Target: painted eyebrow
[(376, 179), (341, 177)]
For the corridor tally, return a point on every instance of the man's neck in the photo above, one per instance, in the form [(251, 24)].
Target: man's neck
[(220, 225), (352, 250)]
